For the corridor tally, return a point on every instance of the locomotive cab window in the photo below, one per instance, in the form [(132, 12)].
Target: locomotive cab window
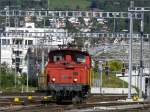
[(57, 58), (80, 58)]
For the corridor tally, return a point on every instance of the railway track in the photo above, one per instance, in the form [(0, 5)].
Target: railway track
[(30, 106), (110, 107), (100, 98), (24, 99), (21, 94), (46, 104), (70, 108)]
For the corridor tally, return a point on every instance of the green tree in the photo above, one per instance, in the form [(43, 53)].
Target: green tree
[(19, 2), (7, 77), (70, 27), (115, 65)]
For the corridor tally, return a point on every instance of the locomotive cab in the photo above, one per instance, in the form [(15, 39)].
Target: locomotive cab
[(68, 74)]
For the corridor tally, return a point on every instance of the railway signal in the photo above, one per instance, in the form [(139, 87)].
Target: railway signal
[(106, 69), (123, 69)]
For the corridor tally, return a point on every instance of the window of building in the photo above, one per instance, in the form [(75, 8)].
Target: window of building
[(17, 41), (8, 41), (5, 41), (26, 42), (30, 42)]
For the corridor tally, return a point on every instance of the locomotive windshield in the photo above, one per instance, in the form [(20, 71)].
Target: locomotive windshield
[(57, 57), (80, 58), (71, 55)]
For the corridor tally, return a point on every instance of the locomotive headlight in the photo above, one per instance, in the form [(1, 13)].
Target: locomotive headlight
[(53, 79), (75, 79)]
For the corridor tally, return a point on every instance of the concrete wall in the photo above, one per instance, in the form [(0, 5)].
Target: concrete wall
[(6, 54), (136, 78), (96, 90)]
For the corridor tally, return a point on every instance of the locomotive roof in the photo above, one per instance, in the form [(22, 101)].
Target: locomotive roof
[(69, 50)]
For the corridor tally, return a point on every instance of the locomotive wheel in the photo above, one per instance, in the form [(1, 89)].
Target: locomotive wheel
[(76, 100)]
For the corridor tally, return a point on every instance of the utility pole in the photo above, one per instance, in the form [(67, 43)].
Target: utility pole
[(15, 80), (141, 56), (42, 60), (115, 28), (1, 32), (142, 10), (0, 59), (101, 83), (130, 53), (149, 73), (28, 66), (42, 55), (100, 69), (17, 58)]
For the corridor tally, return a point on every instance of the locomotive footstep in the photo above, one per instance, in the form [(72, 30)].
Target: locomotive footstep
[(59, 100), (76, 100)]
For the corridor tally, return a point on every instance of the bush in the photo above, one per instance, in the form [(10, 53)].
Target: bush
[(7, 77), (115, 65)]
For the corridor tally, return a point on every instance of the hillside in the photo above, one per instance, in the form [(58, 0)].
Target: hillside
[(69, 4), (106, 5)]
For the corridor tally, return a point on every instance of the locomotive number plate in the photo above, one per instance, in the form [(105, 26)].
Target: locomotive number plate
[(75, 73), (67, 77)]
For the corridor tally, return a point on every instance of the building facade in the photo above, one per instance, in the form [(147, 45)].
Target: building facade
[(16, 41)]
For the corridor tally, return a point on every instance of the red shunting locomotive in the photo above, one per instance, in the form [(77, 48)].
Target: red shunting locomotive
[(68, 74)]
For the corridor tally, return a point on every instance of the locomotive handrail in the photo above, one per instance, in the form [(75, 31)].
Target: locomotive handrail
[(69, 67)]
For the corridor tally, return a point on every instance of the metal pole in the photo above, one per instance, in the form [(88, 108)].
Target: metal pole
[(42, 60), (101, 84), (141, 56), (149, 74), (28, 63), (100, 75), (115, 25), (0, 61), (15, 69), (16, 55), (130, 57)]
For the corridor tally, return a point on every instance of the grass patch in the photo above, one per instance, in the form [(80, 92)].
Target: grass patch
[(18, 88), (69, 4), (112, 81)]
